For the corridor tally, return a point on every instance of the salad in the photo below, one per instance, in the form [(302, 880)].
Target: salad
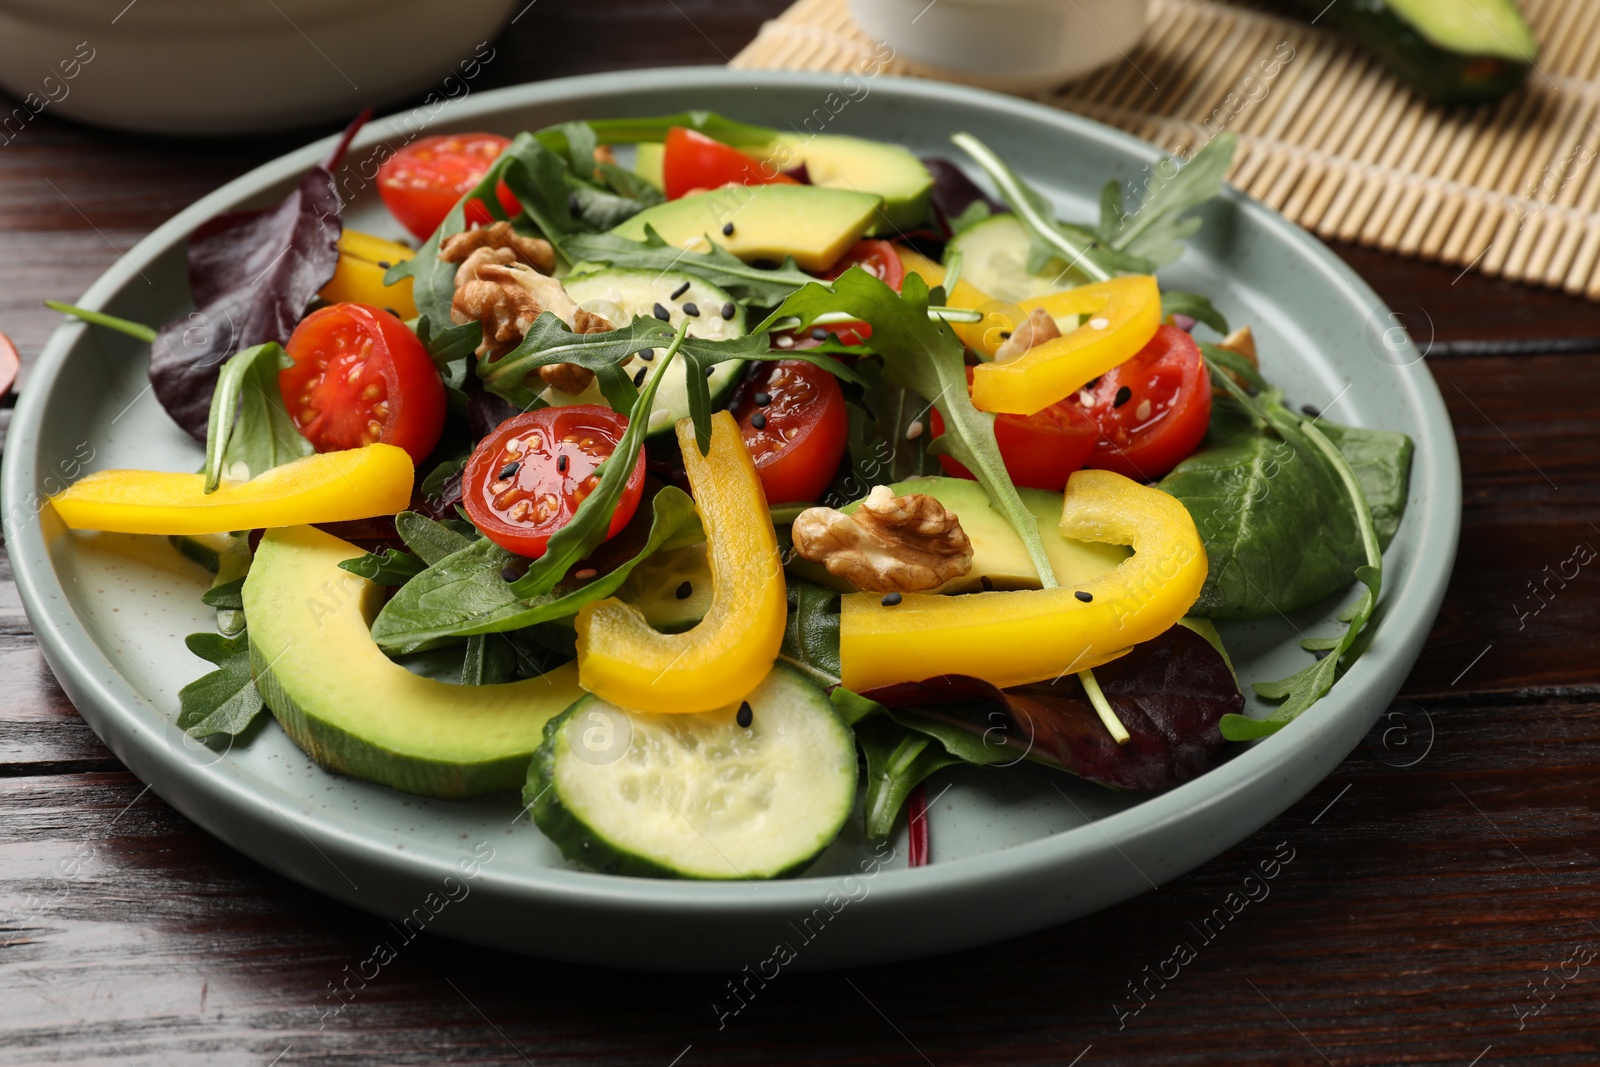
[(715, 486)]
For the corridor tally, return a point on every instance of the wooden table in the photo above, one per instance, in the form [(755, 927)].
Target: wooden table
[(1438, 905)]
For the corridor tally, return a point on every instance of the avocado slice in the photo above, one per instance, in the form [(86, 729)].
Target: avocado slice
[(763, 222), (835, 162), (355, 711), (997, 551)]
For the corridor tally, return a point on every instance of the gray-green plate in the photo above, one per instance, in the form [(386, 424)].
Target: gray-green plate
[(1014, 850)]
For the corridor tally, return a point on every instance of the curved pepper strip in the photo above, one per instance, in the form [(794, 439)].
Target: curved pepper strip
[(963, 295), (331, 487), (1127, 311), (1033, 635), (621, 658)]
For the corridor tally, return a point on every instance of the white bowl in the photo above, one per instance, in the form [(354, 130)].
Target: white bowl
[(1015, 45), (226, 66)]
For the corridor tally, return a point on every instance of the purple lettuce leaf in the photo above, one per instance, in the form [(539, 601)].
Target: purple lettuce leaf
[(1170, 693), (252, 274)]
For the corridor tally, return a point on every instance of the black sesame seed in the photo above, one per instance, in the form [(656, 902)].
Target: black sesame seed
[(1005, 335), (1310, 409), (385, 264), (510, 572), (509, 470), (638, 378), (987, 583), (727, 310), (1084, 595), (685, 591), (746, 715), (890, 599), (692, 310), (709, 370), (647, 354), (561, 464), (818, 333), (727, 229), (1123, 396), (661, 313), (679, 291), (1093, 383), (763, 399), (759, 421)]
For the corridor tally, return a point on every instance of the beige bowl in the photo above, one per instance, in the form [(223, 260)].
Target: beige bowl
[(1014, 45), (227, 66)]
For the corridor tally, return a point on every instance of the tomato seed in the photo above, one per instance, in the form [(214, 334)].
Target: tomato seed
[(372, 392)]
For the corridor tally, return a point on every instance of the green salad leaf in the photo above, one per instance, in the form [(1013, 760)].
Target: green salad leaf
[(386, 568), (250, 432), (430, 539), (763, 286), (549, 340), (655, 127), (898, 760), (1381, 460), (1197, 307), (701, 355), (927, 358), (224, 702), (811, 631)]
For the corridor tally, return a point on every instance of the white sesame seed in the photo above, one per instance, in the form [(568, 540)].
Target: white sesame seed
[(1099, 324), (1142, 412), (914, 431)]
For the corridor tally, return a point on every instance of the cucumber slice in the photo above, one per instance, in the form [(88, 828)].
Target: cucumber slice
[(994, 257), (671, 589), (620, 294), (697, 796)]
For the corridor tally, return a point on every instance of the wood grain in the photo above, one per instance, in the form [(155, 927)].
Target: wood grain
[(1446, 865)]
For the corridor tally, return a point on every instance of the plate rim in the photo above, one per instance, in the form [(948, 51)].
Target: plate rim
[(93, 678)]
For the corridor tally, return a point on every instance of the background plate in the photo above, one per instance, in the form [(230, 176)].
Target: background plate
[(1014, 850)]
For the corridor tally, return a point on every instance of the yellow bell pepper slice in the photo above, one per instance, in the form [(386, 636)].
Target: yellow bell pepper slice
[(331, 487), (1123, 315), (717, 663), (975, 335), (1033, 635), (358, 279)]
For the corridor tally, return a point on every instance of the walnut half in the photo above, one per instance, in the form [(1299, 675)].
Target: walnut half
[(892, 544)]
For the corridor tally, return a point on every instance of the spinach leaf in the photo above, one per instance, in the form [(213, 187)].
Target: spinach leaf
[(1381, 461), (852, 707), (811, 632), (490, 660), (898, 760), (465, 594), (252, 274), (549, 340), (763, 286), (1277, 528), (927, 358), (249, 431), (430, 539), (225, 701)]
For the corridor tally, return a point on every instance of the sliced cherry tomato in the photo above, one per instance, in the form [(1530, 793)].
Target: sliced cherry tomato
[(359, 377), (794, 423), (1153, 410), (422, 182), (526, 479), (691, 161), (1040, 450), (877, 258)]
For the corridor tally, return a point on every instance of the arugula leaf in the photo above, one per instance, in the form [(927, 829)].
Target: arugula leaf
[(898, 760), (1197, 307), (626, 183), (701, 355), (600, 208), (1307, 686), (759, 285), (549, 340), (137, 330), (248, 427), (388, 568), (464, 594), (227, 557), (225, 701), (229, 594), (927, 358), (1157, 230)]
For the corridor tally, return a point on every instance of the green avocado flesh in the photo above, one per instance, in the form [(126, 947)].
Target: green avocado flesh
[(832, 162), (764, 222), (997, 551), (355, 711)]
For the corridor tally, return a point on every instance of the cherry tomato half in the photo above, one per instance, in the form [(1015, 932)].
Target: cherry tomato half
[(691, 161), (877, 258), (1153, 410), (1040, 450), (422, 182), (359, 377), (526, 479), (794, 423)]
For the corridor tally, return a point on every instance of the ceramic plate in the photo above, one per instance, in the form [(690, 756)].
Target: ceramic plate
[(1013, 850)]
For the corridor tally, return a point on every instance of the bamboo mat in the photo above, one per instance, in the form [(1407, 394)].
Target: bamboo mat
[(1328, 138)]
